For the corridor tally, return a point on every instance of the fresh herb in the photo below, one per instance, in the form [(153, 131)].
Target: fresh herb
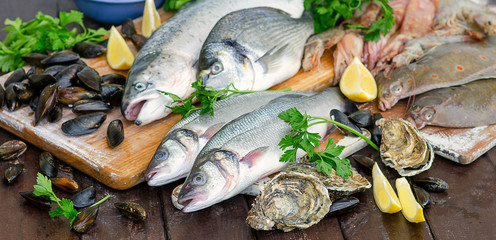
[(302, 139), (65, 207), (174, 4), (327, 13), (43, 33), (207, 97)]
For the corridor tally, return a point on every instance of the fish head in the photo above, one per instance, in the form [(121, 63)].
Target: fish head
[(209, 182), (222, 64), (423, 111), (394, 87), (141, 100), (173, 158)]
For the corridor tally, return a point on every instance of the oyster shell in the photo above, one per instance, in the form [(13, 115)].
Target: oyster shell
[(402, 147), (290, 200)]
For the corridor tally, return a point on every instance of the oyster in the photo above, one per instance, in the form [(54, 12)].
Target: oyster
[(402, 147), (290, 200)]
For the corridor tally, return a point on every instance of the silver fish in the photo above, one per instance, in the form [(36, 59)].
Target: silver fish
[(245, 150), (254, 49), (177, 151), (168, 60)]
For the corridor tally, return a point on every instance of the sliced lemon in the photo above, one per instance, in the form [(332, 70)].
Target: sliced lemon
[(411, 209), (357, 83), (151, 19), (384, 195), (119, 56)]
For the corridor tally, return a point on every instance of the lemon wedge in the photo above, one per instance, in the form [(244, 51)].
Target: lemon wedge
[(357, 83), (151, 19), (119, 56), (384, 195), (411, 209)]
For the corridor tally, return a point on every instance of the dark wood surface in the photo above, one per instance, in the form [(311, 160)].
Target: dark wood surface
[(466, 211)]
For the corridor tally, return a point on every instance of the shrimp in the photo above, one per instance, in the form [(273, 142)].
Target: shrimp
[(350, 46)]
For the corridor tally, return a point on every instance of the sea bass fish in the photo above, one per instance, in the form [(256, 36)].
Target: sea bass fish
[(254, 49), (168, 60), (447, 65), (246, 149), (178, 150), (469, 105)]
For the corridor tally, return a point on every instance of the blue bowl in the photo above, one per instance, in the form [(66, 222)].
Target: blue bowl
[(113, 11)]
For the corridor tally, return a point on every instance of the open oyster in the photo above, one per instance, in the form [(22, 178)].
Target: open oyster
[(290, 200), (402, 147)]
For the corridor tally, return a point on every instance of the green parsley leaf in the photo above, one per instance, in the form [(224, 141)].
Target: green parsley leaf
[(56, 213), (174, 4), (43, 186)]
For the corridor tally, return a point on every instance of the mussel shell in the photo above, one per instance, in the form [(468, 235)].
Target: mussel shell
[(109, 89), (376, 133), (48, 165), (46, 103), (34, 59), (12, 149), (339, 116), (364, 161), (131, 210), (84, 198), (70, 95), (62, 57), (115, 133), (38, 201), (89, 50), (85, 219), (83, 124), (40, 81), (342, 206), (362, 118), (12, 172), (65, 184), (56, 114), (432, 184), (128, 28), (138, 40), (34, 70), (422, 196), (67, 77), (114, 78), (91, 106), (54, 70), (16, 76), (34, 103), (90, 78), (23, 91), (350, 107), (116, 99), (2, 96), (11, 99)]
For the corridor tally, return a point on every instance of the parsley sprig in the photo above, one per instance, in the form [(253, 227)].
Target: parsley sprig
[(207, 97), (326, 160), (65, 207)]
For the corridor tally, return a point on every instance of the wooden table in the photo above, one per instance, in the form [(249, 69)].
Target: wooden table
[(466, 211)]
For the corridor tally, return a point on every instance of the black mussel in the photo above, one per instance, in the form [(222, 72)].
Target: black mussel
[(65, 184), (116, 99), (34, 59), (34, 70), (375, 131), (70, 95), (84, 198), (131, 210), (68, 76), (85, 219), (16, 76), (128, 28), (12, 149), (89, 50), (350, 107), (11, 99), (364, 161), (342, 206), (81, 62), (12, 172), (2, 96), (54, 70), (34, 103), (90, 78), (47, 101), (48, 165), (62, 57), (109, 89), (40, 81), (422, 196), (375, 117), (38, 201), (339, 116), (138, 40), (362, 118), (55, 114), (90, 106), (24, 91), (115, 133), (84, 124), (432, 184), (114, 78)]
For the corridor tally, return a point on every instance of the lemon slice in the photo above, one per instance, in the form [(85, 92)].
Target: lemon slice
[(384, 195), (119, 56), (151, 19), (411, 209), (357, 83)]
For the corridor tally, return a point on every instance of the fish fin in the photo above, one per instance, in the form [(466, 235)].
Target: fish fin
[(212, 130), (271, 61), (251, 158)]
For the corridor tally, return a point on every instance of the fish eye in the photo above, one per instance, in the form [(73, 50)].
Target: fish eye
[(216, 68), (199, 179), (397, 89), (161, 155), (140, 86), (428, 115)]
